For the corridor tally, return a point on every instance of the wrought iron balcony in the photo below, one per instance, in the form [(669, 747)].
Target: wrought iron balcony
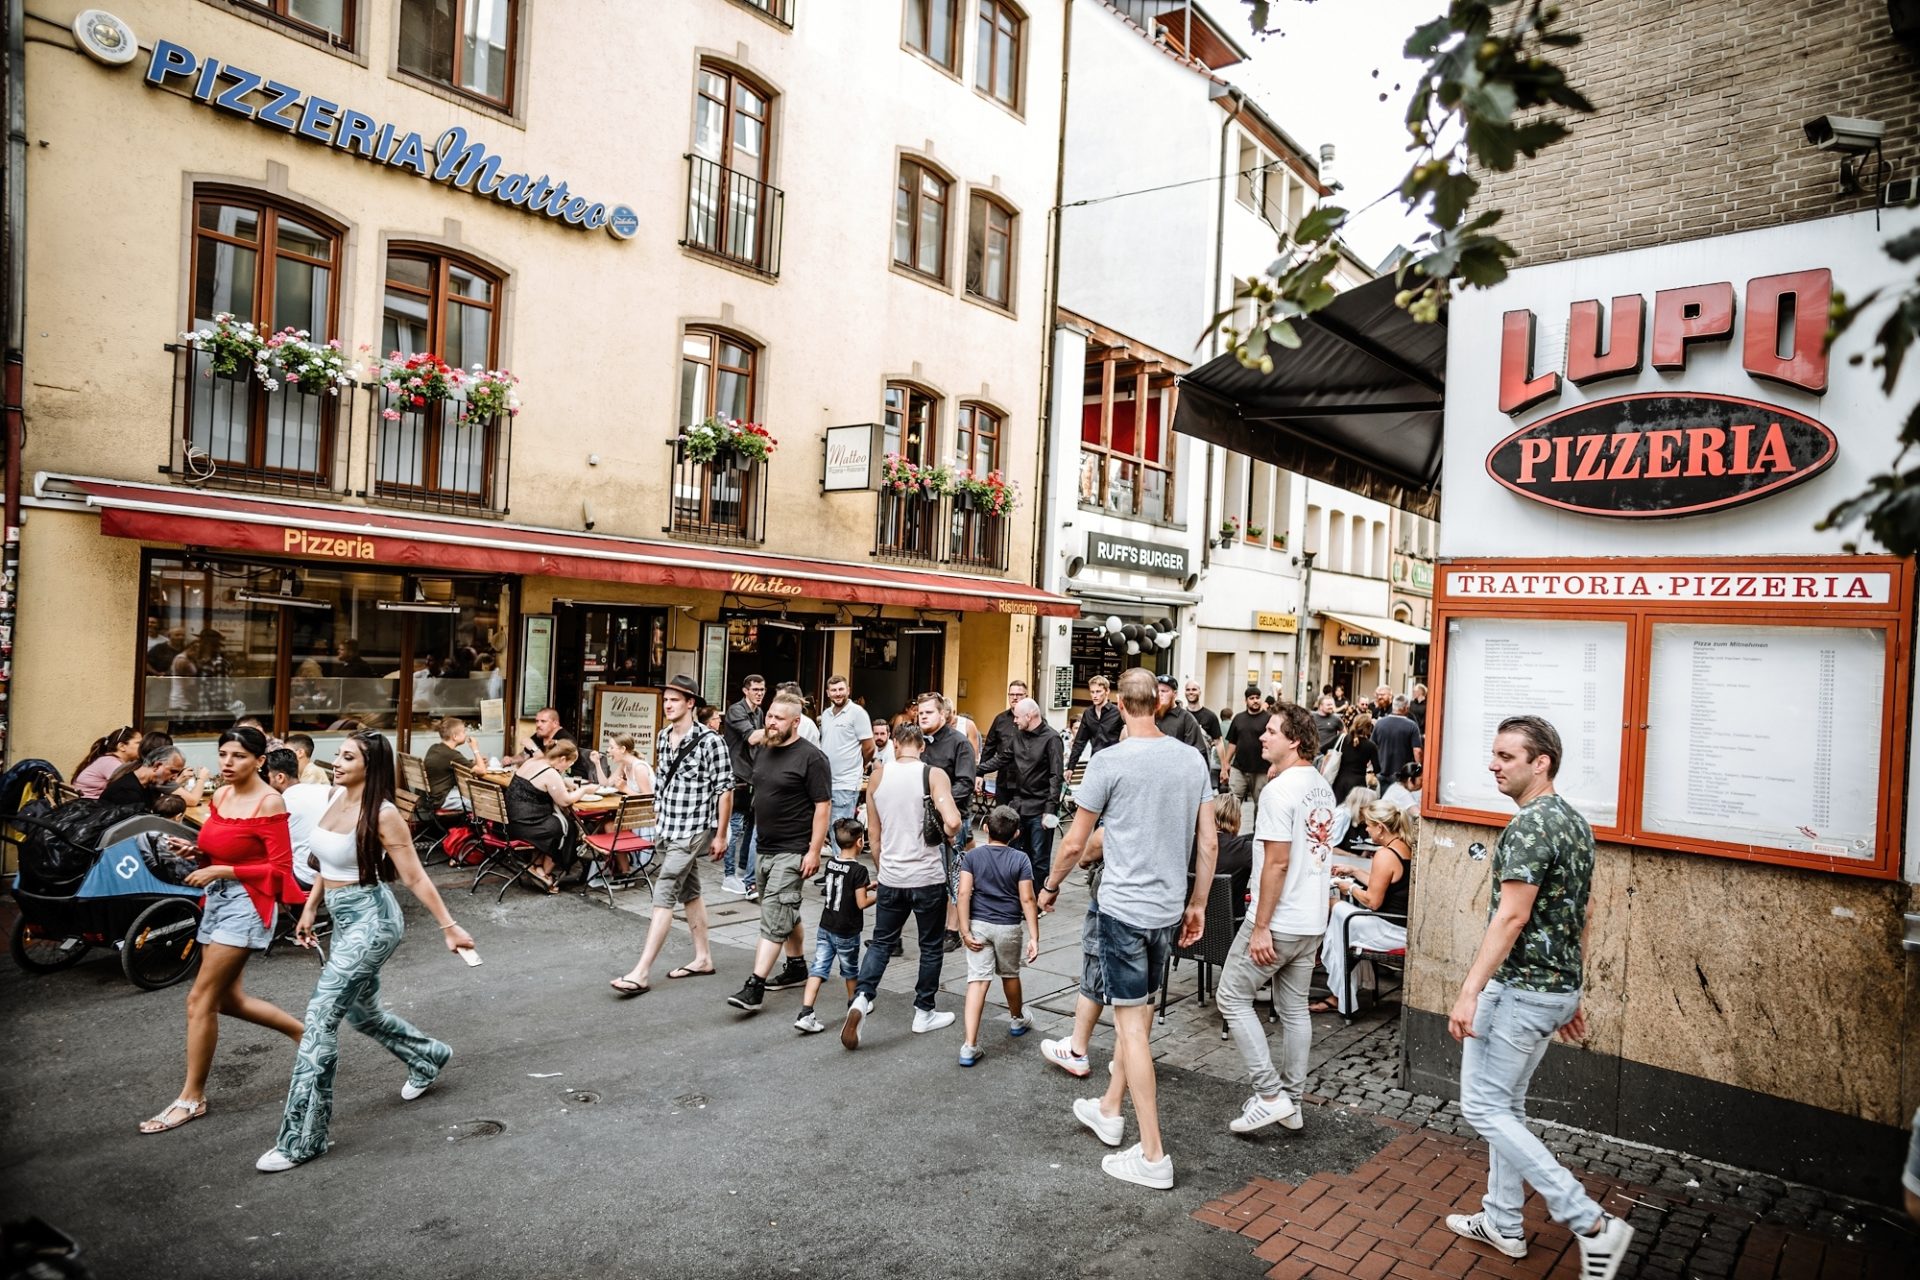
[(733, 216), (976, 539), (937, 529), (439, 457), (231, 430), (720, 500)]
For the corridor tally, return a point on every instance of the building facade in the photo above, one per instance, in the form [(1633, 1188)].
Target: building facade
[(649, 234)]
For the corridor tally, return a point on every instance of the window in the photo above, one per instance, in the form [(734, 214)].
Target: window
[(933, 29), (920, 220), (463, 44), (1126, 456), (996, 63), (330, 19), (443, 305), (716, 377), (989, 251), (911, 423), (730, 117), (976, 441), (731, 210), (276, 266), (1251, 181)]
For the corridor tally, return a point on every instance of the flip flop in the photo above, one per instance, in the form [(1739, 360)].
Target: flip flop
[(546, 884), (160, 1123), (1329, 1005), (686, 972), (629, 988)]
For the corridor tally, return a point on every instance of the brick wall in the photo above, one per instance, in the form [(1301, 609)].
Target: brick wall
[(1697, 129)]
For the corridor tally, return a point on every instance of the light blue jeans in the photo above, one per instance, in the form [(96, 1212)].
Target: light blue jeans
[(1511, 1030), (742, 843), (844, 803)]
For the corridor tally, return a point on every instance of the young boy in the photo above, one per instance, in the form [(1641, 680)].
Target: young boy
[(849, 893), (999, 921)]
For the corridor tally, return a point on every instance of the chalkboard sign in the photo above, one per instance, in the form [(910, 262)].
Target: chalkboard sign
[(1092, 657)]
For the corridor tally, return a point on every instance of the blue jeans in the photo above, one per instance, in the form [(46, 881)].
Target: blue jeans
[(1511, 1030), (828, 945), (927, 905), (1035, 838), (844, 803), (1132, 960), (742, 843)]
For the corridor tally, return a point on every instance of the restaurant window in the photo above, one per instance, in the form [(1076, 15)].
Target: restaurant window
[(976, 441), (446, 306), (910, 423), (716, 377), (465, 45), (989, 250), (332, 20), (275, 266), (318, 650), (996, 63), (933, 29), (728, 197), (920, 220)]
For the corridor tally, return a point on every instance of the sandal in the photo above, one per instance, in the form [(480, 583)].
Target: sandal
[(688, 971), (188, 1110), (543, 880), (1329, 1005), (628, 987)]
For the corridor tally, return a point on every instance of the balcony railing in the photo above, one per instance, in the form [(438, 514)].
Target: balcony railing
[(939, 530), (733, 216), (723, 500), (230, 430), (438, 457)]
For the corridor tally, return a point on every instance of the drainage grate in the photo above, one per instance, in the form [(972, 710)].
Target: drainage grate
[(478, 1129)]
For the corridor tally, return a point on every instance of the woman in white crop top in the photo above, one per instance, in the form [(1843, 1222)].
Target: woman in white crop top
[(361, 843)]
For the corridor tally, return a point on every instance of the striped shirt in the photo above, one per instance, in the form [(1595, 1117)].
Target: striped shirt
[(689, 782)]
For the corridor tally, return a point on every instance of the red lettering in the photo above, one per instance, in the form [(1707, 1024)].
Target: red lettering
[(1519, 389), (1804, 293), (1703, 313), (1573, 585), (1676, 586), (1720, 584), (1773, 451), (1745, 587), (1562, 452), (1508, 587), (1640, 586), (1804, 587), (1626, 449), (1742, 449), (1585, 361), (1591, 453), (1775, 588), (1598, 585), (1703, 451), (1859, 590), (1529, 579), (1661, 448), (1532, 453)]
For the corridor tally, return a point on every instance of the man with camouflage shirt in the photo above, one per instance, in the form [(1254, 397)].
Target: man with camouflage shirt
[(1523, 987)]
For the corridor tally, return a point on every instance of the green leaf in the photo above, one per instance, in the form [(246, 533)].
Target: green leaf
[(1495, 100), (1320, 224), (1427, 38), (1904, 248), (1492, 145), (1284, 334), (1537, 135), (1451, 196)]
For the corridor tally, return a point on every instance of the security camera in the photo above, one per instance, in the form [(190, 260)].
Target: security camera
[(1849, 135)]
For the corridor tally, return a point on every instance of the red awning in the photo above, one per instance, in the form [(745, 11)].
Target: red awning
[(358, 535)]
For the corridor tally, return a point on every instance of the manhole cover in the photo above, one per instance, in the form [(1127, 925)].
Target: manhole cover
[(583, 1096), (478, 1129), (691, 1100)]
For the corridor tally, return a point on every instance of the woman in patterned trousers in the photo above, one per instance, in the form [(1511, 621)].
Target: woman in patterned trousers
[(362, 844)]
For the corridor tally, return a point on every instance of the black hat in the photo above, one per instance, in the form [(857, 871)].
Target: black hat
[(684, 684), (1168, 679)]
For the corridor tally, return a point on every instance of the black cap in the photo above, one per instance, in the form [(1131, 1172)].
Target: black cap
[(1167, 679)]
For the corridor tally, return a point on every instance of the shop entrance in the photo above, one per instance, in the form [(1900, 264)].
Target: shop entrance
[(889, 668), (603, 644), (778, 647), (1358, 676)]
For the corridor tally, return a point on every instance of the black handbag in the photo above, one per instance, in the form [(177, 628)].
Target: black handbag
[(933, 828)]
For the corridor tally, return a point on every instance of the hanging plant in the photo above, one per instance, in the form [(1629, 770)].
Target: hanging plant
[(416, 382), (490, 394), (903, 475), (234, 343), (991, 493), (705, 441), (291, 358)]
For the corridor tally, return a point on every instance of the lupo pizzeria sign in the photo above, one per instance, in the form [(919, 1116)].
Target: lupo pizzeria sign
[(1669, 453)]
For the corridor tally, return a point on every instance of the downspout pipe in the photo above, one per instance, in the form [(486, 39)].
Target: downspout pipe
[(13, 232), (1049, 318), (1213, 303)]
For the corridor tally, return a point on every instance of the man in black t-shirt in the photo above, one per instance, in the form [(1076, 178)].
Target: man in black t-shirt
[(1398, 740), (1209, 723), (1243, 770), (1328, 722), (792, 806)]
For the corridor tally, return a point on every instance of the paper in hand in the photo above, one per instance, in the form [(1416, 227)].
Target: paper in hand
[(468, 954)]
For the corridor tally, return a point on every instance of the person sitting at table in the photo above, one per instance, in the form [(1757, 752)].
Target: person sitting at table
[(144, 785), (1349, 818), (302, 746), (622, 768), (1236, 851), (1384, 886), (104, 759), (538, 798), (1405, 790), (546, 732), (455, 748)]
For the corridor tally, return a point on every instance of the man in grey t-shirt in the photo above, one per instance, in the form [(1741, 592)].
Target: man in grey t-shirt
[(1153, 798)]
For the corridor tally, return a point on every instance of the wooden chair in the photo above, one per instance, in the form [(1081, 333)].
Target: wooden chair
[(413, 775), (507, 858), (629, 833)]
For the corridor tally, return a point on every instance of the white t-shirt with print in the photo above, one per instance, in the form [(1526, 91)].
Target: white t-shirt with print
[(1297, 809)]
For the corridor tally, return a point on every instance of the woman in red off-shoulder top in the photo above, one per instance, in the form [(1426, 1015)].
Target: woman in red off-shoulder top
[(249, 872)]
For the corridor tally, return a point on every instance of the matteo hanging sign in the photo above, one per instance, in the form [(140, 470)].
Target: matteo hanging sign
[(451, 157), (1669, 453)]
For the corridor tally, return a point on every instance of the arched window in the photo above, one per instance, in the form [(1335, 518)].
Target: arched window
[(976, 442), (716, 376), (920, 220), (911, 423), (989, 250), (275, 266), (730, 209), (717, 379), (437, 303), (933, 28)]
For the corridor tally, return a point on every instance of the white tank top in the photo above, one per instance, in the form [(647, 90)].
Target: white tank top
[(338, 852), (906, 861)]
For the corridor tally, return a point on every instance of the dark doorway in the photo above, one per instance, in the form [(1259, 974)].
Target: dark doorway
[(603, 644), (778, 648), (889, 667)]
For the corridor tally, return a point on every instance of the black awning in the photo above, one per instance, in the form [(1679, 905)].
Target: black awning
[(1357, 405)]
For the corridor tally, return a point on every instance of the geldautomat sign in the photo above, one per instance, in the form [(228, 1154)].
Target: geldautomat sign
[(451, 157)]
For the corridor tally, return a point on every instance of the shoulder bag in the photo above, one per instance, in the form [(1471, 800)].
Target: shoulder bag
[(1330, 762), (933, 828)]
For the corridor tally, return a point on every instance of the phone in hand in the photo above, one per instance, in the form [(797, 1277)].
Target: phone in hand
[(468, 954)]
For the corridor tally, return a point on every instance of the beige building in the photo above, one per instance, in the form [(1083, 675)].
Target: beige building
[(828, 219)]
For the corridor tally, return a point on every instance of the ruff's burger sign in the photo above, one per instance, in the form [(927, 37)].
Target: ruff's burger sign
[(1671, 452)]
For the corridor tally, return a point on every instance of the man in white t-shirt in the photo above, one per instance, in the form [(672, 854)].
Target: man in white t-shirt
[(1287, 914), (846, 735)]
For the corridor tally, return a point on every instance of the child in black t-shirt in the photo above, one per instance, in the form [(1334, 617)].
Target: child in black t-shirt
[(849, 893)]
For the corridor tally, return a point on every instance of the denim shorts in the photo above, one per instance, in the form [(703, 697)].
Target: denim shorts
[(1132, 960), (828, 945), (229, 918)]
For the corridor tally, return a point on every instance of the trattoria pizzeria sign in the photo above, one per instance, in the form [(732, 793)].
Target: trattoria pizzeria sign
[(1678, 452)]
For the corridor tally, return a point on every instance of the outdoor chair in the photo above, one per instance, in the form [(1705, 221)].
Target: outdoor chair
[(1394, 961), (506, 857), (628, 832), (1210, 948)]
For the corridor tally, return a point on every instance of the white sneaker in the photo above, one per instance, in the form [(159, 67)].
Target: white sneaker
[(1479, 1228), (969, 1054), (925, 1020), (1060, 1053), (856, 1015), (1109, 1129), (808, 1025), (733, 884), (275, 1161), (1019, 1027), (1132, 1166), (1258, 1113), (1602, 1253)]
